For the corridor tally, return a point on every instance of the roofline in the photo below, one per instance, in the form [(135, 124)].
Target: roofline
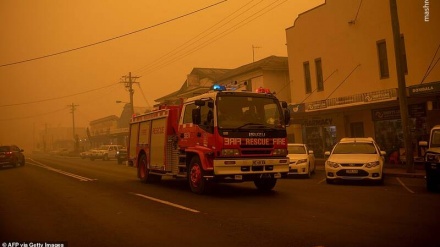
[(306, 12)]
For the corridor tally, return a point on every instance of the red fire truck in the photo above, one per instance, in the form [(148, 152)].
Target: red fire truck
[(219, 136)]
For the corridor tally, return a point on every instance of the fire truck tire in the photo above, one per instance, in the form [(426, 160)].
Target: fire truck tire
[(196, 181), (265, 184), (144, 173)]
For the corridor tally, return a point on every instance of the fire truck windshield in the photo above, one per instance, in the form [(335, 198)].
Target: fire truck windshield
[(245, 112)]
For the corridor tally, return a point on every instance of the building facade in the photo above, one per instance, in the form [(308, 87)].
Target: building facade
[(343, 72)]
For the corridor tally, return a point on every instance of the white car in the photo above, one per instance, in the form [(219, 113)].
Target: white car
[(302, 160), (355, 159), (105, 152)]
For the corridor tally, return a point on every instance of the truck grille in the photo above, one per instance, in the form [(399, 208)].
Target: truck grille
[(352, 165), (253, 152)]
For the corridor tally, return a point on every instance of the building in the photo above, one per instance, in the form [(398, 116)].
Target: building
[(112, 129), (199, 81), (271, 72), (343, 72)]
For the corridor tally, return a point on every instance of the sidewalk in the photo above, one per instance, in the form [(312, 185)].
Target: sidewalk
[(393, 170)]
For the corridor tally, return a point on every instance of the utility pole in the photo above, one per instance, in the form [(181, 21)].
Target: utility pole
[(128, 81), (253, 52), (401, 90), (72, 110)]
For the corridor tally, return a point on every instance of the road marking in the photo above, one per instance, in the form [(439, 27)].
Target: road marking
[(81, 178), (322, 181), (166, 202), (404, 186)]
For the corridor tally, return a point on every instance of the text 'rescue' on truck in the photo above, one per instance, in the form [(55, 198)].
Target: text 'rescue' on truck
[(219, 136)]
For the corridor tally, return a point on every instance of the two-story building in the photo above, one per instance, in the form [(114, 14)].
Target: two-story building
[(343, 72)]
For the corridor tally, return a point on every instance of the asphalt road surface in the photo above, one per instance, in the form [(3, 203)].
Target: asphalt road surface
[(100, 203)]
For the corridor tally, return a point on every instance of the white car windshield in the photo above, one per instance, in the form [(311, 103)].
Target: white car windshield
[(355, 148), (296, 149)]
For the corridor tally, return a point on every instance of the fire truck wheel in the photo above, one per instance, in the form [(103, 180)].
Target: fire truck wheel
[(195, 177), (265, 184), (144, 173)]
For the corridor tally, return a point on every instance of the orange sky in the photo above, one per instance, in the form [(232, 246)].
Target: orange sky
[(220, 36)]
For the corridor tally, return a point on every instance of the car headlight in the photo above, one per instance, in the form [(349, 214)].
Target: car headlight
[(280, 152), (230, 152), (433, 157), (301, 161), (372, 164), (332, 164)]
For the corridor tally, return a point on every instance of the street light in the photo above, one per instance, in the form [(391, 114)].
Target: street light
[(128, 103)]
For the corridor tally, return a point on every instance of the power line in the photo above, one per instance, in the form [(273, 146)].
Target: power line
[(111, 39), (32, 116), (189, 43), (218, 36), (56, 98)]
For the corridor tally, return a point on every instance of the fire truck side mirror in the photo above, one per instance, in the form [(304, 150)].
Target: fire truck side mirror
[(286, 117), (196, 116)]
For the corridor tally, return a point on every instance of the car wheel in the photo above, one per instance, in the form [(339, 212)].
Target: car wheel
[(265, 184), (329, 181), (196, 181)]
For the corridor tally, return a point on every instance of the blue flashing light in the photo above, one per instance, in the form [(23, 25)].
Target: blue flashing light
[(217, 87)]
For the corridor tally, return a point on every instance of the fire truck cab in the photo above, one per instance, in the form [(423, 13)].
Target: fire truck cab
[(219, 136)]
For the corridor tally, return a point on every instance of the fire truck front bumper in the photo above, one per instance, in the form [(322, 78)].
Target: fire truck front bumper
[(249, 168)]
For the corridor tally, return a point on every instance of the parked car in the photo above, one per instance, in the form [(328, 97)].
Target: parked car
[(85, 154), (11, 156), (432, 159), (105, 152), (302, 160), (121, 155), (355, 159)]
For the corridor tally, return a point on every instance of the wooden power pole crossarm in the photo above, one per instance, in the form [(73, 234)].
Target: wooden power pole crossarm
[(128, 81)]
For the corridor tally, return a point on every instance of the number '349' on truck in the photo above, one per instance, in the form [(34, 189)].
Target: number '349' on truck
[(219, 136)]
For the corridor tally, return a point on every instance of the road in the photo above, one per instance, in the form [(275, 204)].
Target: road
[(100, 203)]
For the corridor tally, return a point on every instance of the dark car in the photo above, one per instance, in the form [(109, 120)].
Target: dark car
[(121, 155), (11, 156)]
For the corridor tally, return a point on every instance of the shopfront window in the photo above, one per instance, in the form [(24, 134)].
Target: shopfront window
[(320, 139)]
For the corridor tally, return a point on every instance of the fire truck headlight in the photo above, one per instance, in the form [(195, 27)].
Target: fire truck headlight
[(280, 152), (230, 152)]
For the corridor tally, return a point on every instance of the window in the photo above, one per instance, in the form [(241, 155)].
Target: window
[(307, 80), (187, 117), (383, 59), (403, 51), (319, 80)]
